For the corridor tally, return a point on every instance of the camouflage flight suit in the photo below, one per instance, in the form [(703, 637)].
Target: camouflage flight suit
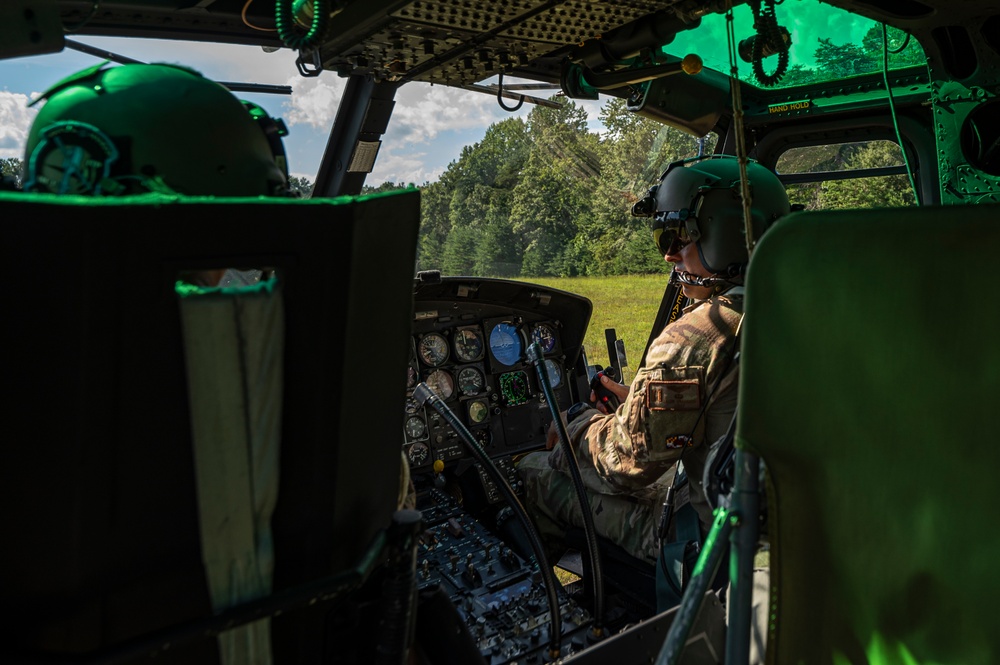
[(626, 458)]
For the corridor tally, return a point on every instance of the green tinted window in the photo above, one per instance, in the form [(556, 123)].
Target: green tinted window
[(827, 43), (834, 186)]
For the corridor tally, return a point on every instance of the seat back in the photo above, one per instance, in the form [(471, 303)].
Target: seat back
[(868, 387), (98, 475)]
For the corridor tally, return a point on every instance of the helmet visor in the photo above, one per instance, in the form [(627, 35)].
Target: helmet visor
[(670, 233)]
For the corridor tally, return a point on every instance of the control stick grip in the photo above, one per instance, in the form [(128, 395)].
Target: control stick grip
[(605, 396)]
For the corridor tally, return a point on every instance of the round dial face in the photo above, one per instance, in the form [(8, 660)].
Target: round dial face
[(555, 373), (418, 454), (468, 345), (505, 344), (484, 437), (411, 406), (478, 411), (415, 427), (411, 378), (433, 349), (441, 383), (470, 381), (514, 388), (545, 336)]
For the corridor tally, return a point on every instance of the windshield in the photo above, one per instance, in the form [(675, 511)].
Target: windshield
[(827, 44)]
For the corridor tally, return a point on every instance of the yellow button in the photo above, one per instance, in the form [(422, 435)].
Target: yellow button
[(438, 466), (691, 64)]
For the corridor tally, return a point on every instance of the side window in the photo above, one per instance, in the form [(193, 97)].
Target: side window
[(864, 174)]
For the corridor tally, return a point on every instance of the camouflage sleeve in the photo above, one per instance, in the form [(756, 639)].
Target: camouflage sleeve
[(634, 446)]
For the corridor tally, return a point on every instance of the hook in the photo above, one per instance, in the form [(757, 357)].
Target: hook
[(305, 67), (520, 101)]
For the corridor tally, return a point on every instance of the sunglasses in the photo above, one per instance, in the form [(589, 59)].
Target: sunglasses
[(670, 234)]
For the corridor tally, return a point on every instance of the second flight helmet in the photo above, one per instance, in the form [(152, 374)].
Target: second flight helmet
[(700, 201), (156, 127)]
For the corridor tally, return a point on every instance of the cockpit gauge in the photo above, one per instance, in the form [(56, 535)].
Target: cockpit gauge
[(514, 388), (418, 454), (478, 411), (433, 349), (411, 377), (554, 371), (505, 344), (484, 437), (468, 345), (411, 406), (441, 383), (470, 381), (415, 428), (545, 336)]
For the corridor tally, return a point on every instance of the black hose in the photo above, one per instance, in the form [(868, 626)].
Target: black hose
[(534, 356), (424, 395), (769, 36)]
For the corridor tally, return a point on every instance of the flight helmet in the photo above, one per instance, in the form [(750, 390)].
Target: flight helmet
[(157, 127), (699, 200)]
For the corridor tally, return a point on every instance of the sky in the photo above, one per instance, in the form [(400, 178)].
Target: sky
[(429, 127)]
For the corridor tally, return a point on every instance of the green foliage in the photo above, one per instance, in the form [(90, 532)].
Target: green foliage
[(885, 191), (300, 185), (12, 169), (386, 187)]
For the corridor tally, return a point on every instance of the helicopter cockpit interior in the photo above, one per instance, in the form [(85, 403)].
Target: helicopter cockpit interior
[(140, 539)]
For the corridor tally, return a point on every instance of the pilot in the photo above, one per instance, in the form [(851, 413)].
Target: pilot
[(140, 128), (684, 397)]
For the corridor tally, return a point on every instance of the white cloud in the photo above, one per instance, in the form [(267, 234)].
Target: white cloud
[(15, 121), (423, 111), (405, 168), (314, 100)]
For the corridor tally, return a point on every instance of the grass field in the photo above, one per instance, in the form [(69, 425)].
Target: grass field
[(626, 303)]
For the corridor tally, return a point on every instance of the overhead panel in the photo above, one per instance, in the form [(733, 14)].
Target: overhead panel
[(458, 42)]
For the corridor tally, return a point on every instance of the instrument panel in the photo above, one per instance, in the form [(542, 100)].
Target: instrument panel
[(468, 343)]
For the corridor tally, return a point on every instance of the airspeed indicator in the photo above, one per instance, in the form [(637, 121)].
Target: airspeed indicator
[(433, 349)]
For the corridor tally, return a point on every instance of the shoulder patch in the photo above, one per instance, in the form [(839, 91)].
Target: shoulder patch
[(673, 395)]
